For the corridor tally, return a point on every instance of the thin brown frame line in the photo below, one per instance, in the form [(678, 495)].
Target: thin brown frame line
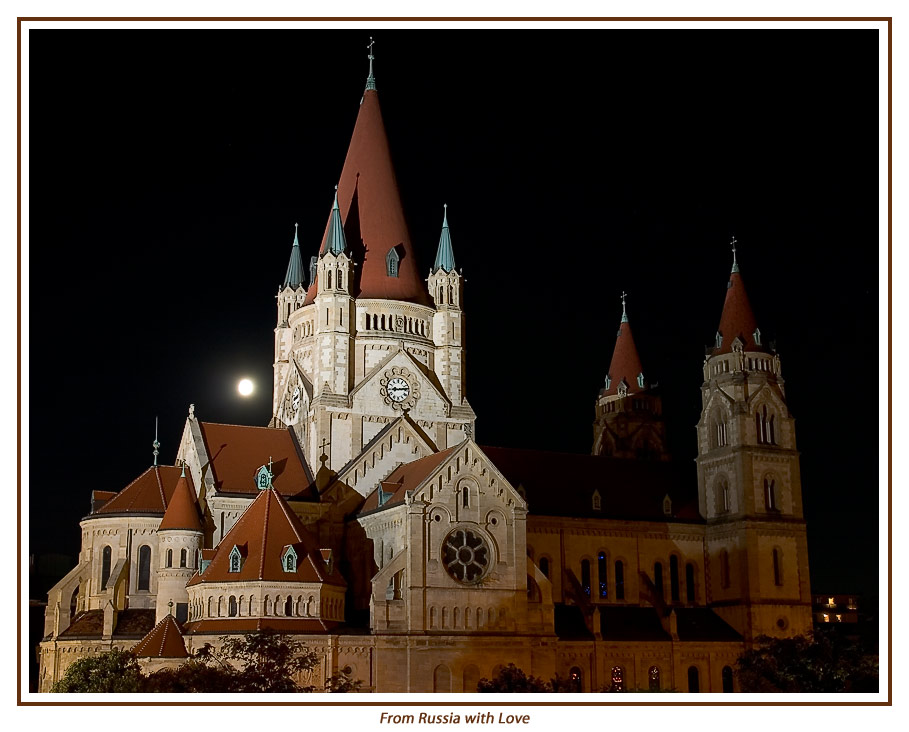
[(886, 19)]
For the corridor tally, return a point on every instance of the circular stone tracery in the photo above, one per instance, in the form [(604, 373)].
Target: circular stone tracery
[(466, 555)]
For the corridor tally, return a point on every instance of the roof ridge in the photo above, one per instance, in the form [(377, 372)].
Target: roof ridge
[(161, 488), (248, 426)]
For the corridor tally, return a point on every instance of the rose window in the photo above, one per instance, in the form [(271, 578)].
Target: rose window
[(466, 555)]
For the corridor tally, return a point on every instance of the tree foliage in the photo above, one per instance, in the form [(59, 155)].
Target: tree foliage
[(111, 672), (512, 680), (823, 661)]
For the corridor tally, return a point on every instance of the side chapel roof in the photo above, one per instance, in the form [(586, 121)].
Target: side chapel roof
[(163, 641), (148, 494)]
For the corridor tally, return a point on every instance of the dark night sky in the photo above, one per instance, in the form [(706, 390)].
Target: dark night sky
[(168, 168)]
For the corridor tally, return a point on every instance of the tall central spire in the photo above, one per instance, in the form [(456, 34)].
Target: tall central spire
[(369, 205), (445, 254), (626, 363)]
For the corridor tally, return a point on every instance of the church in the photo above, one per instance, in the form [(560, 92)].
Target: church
[(367, 522)]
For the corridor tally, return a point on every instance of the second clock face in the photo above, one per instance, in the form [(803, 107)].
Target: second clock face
[(398, 389)]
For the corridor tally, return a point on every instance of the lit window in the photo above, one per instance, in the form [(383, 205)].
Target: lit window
[(831, 602), (826, 618), (839, 618), (618, 678)]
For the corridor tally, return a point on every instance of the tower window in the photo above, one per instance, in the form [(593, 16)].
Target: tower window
[(105, 565), (770, 501), (170, 558), (777, 567), (328, 279), (465, 496), (183, 557)]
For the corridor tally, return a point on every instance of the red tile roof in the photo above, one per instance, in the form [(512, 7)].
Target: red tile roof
[(262, 533), (738, 319), (373, 217), (148, 494), (130, 624), (163, 641), (562, 484), (626, 364), (405, 478), (248, 625), (237, 452), (183, 509)]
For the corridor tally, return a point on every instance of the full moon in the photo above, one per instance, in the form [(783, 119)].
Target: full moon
[(245, 387)]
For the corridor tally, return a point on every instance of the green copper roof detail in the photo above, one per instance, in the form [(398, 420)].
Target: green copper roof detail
[(371, 79), (445, 254), (735, 264), (335, 241), (624, 314), (294, 276)]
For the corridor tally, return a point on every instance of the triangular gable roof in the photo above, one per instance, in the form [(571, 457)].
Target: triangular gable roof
[(406, 477), (373, 216), (562, 484), (182, 509), (263, 531), (163, 641), (150, 493), (237, 452)]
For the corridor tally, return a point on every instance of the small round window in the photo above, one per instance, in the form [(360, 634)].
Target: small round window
[(466, 555)]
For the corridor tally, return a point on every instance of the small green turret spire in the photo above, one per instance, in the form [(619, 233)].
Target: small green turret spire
[(294, 276), (445, 254), (735, 264), (335, 241), (371, 79)]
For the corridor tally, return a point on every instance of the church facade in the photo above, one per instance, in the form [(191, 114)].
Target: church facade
[(367, 522)]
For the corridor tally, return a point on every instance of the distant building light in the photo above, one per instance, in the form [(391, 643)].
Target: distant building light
[(826, 618), (831, 601), (839, 618)]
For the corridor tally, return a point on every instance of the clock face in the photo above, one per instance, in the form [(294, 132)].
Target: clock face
[(398, 389)]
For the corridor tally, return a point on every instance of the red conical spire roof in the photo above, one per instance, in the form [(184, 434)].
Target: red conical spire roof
[(738, 319), (626, 364), (183, 510), (163, 641), (373, 217)]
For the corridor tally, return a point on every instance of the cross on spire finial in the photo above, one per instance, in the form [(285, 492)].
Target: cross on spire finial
[(156, 444), (371, 79), (624, 314), (324, 458), (735, 264)]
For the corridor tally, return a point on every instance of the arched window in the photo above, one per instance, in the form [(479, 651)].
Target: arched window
[(576, 679), (770, 494), (694, 685), (724, 504), (289, 606), (451, 297), (658, 579), (724, 568), (170, 558), (266, 606), (144, 578), (74, 602), (340, 279), (441, 679), (601, 575), (544, 565), (329, 279), (727, 680), (585, 576), (465, 496), (771, 431), (653, 678), (618, 678), (183, 557), (105, 565), (441, 294), (619, 581), (777, 566), (232, 607), (674, 578), (691, 594)]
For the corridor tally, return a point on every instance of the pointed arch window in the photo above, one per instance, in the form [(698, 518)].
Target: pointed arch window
[(465, 496), (235, 560), (289, 560), (105, 565), (727, 675), (765, 425), (328, 279), (585, 576), (601, 575), (183, 557), (770, 498), (144, 578), (232, 607), (723, 496), (694, 682), (391, 262), (777, 567), (170, 558)]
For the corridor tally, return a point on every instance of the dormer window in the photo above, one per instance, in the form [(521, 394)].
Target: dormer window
[(719, 339), (236, 560), (608, 381), (391, 262), (667, 505), (597, 501), (623, 389), (757, 336), (640, 381), (263, 478), (289, 560)]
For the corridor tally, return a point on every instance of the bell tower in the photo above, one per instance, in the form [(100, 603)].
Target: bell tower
[(749, 485), (628, 419)]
